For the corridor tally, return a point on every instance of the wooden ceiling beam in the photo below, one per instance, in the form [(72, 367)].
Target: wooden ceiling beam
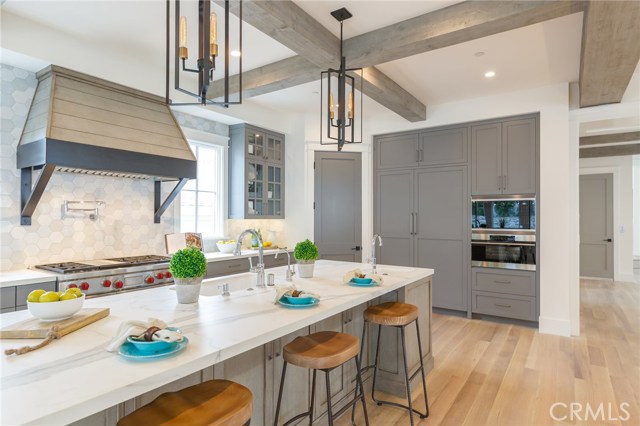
[(610, 138), (610, 51), (290, 25), (610, 151)]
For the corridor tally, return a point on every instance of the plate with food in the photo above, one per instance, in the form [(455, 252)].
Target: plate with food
[(361, 280), (298, 299)]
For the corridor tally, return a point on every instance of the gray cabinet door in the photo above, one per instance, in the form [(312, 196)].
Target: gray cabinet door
[(442, 240), (486, 159), (394, 217), (396, 151), (519, 156), (441, 147), (274, 148)]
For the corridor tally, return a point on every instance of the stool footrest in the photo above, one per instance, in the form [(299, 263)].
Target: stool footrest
[(395, 404), (299, 416)]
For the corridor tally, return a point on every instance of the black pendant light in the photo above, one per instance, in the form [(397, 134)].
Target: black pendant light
[(208, 59), (341, 122)]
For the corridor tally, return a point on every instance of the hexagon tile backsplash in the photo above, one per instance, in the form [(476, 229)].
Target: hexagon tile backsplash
[(125, 226)]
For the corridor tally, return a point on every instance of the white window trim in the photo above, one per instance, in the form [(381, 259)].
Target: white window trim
[(203, 138)]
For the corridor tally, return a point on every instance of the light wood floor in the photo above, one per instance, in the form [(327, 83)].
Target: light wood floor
[(499, 374)]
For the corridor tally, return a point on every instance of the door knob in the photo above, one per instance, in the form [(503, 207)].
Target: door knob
[(608, 240), (356, 248)]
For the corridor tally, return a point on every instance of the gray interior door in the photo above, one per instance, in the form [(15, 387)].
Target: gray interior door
[(338, 205), (394, 216), (596, 225), (441, 237)]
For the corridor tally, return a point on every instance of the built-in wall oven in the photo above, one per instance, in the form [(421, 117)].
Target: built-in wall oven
[(504, 233)]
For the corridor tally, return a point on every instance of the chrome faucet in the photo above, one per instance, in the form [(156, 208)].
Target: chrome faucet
[(372, 259), (259, 268), (290, 272)]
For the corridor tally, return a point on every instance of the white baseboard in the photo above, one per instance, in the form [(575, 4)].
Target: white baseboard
[(630, 278), (558, 327)]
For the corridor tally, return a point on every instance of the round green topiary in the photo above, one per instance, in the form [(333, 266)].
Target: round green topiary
[(188, 263), (305, 250)]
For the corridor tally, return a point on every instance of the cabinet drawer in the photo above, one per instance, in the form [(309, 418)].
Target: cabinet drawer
[(519, 307), (8, 298), (521, 283), (23, 291), (227, 267)]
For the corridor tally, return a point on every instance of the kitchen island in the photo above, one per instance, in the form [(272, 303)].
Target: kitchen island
[(237, 337)]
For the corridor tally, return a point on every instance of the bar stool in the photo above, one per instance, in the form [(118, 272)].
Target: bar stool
[(213, 403), (398, 315), (324, 351)]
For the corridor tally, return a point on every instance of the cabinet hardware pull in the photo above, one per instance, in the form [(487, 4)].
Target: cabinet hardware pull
[(417, 155), (410, 223), (499, 182), (501, 282), (502, 306), (421, 155), (415, 224), (504, 184)]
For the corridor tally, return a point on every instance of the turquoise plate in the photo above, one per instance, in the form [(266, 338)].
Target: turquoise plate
[(357, 283), (284, 302), (129, 351)]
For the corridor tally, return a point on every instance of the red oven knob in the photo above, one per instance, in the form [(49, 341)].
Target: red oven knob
[(168, 275), (159, 275), (118, 284), (106, 283), (72, 286), (149, 279), (84, 286)]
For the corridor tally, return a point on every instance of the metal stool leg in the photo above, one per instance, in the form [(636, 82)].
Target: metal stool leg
[(424, 380), (362, 398), (375, 367), (313, 397), (406, 374), (360, 355), (329, 412), (284, 371)]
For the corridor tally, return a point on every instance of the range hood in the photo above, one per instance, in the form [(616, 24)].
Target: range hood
[(83, 124)]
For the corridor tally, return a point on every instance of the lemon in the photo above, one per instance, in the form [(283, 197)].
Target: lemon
[(75, 291), (49, 296), (68, 296), (34, 296)]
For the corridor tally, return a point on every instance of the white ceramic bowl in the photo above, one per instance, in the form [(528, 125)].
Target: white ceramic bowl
[(226, 248), (55, 311)]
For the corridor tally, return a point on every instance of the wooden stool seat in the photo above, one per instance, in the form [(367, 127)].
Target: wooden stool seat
[(391, 314), (213, 403), (322, 350)]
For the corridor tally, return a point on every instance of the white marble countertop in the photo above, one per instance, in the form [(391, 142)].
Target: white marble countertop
[(75, 377), (24, 277)]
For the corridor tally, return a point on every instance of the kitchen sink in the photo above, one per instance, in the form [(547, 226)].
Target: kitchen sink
[(213, 286)]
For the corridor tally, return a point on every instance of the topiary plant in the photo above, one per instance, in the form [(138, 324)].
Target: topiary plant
[(305, 250), (188, 263)]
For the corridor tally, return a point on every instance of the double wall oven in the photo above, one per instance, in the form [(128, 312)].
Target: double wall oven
[(504, 233)]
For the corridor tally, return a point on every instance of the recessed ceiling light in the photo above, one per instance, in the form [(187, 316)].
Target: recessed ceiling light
[(479, 54), (490, 74), (235, 53)]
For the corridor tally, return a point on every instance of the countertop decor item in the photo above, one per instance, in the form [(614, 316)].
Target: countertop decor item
[(208, 60), (306, 254), (55, 311), (339, 119), (188, 267)]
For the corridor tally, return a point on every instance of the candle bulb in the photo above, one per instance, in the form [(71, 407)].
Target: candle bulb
[(350, 116), (184, 51), (213, 34), (331, 106)]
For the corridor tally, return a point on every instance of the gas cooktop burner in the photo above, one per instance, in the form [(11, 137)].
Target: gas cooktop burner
[(140, 260), (102, 264)]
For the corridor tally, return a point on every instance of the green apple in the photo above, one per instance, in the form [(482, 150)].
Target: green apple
[(34, 296), (68, 296), (49, 296)]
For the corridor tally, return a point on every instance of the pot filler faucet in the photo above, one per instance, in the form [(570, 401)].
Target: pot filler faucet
[(290, 272), (259, 268), (372, 259)]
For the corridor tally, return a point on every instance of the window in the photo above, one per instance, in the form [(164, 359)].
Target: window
[(201, 200)]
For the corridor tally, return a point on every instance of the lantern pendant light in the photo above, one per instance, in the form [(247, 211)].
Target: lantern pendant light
[(339, 121), (208, 58)]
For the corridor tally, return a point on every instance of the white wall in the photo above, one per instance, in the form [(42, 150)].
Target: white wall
[(623, 227), (636, 205), (558, 170)]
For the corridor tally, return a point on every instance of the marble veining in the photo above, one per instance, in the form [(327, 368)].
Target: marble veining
[(75, 377)]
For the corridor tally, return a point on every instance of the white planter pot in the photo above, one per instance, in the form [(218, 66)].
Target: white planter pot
[(305, 268), (188, 289)]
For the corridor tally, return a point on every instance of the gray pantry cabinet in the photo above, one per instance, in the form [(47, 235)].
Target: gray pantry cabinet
[(421, 208), (237, 265), (256, 173), (504, 157)]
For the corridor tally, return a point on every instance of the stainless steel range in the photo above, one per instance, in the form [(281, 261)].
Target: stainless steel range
[(102, 277)]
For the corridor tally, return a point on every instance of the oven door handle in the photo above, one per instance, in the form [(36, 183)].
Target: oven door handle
[(504, 243)]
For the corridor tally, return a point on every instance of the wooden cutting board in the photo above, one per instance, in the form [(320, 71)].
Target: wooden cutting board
[(33, 328)]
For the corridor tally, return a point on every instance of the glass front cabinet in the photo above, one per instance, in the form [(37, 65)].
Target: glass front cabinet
[(256, 173)]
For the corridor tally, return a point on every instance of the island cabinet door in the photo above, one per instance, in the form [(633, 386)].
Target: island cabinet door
[(296, 394)]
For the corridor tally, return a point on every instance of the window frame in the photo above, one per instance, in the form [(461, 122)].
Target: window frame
[(195, 137)]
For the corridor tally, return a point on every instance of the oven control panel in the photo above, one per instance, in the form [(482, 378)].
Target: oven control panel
[(114, 283)]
